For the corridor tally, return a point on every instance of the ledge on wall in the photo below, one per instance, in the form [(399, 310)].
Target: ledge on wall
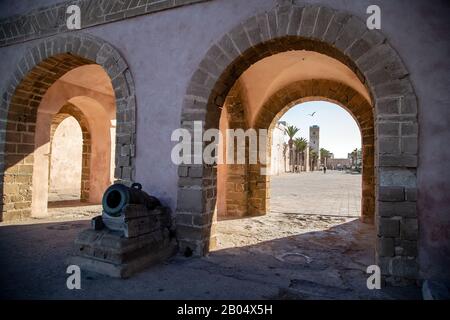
[(51, 20)]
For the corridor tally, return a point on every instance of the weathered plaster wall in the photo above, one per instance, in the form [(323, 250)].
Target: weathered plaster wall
[(279, 162), (164, 49)]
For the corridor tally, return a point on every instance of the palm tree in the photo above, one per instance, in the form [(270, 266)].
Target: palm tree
[(312, 157), (324, 155), (354, 156), (291, 131), (284, 156), (300, 147)]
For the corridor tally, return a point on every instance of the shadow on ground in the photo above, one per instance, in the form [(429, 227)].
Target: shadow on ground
[(327, 264)]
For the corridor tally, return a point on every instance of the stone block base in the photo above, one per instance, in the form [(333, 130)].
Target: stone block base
[(110, 253)]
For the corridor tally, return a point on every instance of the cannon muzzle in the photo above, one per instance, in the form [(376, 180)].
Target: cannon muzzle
[(117, 196)]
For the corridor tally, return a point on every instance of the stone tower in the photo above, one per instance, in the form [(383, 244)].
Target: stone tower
[(314, 135)]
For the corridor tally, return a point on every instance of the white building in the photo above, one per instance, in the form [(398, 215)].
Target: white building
[(279, 161)]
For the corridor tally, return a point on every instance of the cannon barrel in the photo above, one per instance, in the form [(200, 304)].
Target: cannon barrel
[(117, 196)]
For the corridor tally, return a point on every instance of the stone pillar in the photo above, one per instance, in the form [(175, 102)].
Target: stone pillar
[(41, 166), (368, 183), (258, 196), (196, 214), (236, 190), (396, 208), (307, 168)]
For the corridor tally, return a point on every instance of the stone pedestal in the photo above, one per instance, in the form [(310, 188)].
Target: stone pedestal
[(146, 239)]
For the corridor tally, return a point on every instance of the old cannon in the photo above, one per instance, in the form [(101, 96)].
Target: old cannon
[(134, 231), (117, 196), (121, 203)]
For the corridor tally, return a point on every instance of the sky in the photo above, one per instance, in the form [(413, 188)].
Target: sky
[(339, 132)]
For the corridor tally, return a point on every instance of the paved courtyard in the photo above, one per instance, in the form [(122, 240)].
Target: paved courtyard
[(335, 193), (299, 203), (295, 252)]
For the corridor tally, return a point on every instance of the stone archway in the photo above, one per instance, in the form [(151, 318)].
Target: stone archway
[(242, 190), (43, 64), (368, 54)]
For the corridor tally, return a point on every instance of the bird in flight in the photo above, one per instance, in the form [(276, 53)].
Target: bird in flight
[(312, 114)]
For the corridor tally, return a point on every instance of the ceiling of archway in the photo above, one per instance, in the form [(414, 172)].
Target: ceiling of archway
[(92, 77), (269, 75)]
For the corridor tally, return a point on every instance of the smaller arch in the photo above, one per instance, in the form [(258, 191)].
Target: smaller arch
[(96, 154), (70, 110), (308, 90)]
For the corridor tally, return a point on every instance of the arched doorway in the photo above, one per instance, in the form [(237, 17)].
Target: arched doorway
[(389, 107), (67, 150), (86, 94), (256, 184), (41, 86), (318, 171)]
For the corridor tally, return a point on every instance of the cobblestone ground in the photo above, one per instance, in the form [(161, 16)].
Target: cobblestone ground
[(295, 252)]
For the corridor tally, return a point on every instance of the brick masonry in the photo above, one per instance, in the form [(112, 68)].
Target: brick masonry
[(394, 124), (42, 65), (237, 189)]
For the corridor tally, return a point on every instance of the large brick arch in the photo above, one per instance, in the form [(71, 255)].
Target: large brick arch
[(368, 53), (42, 65)]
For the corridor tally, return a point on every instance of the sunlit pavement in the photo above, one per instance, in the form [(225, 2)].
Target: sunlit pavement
[(334, 193)]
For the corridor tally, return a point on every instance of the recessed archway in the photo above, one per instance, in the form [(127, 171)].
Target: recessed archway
[(393, 106), (30, 94), (65, 154), (319, 170), (247, 193), (337, 93)]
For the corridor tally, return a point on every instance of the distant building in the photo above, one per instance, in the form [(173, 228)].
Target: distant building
[(279, 158), (336, 164), (314, 135), (314, 144)]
